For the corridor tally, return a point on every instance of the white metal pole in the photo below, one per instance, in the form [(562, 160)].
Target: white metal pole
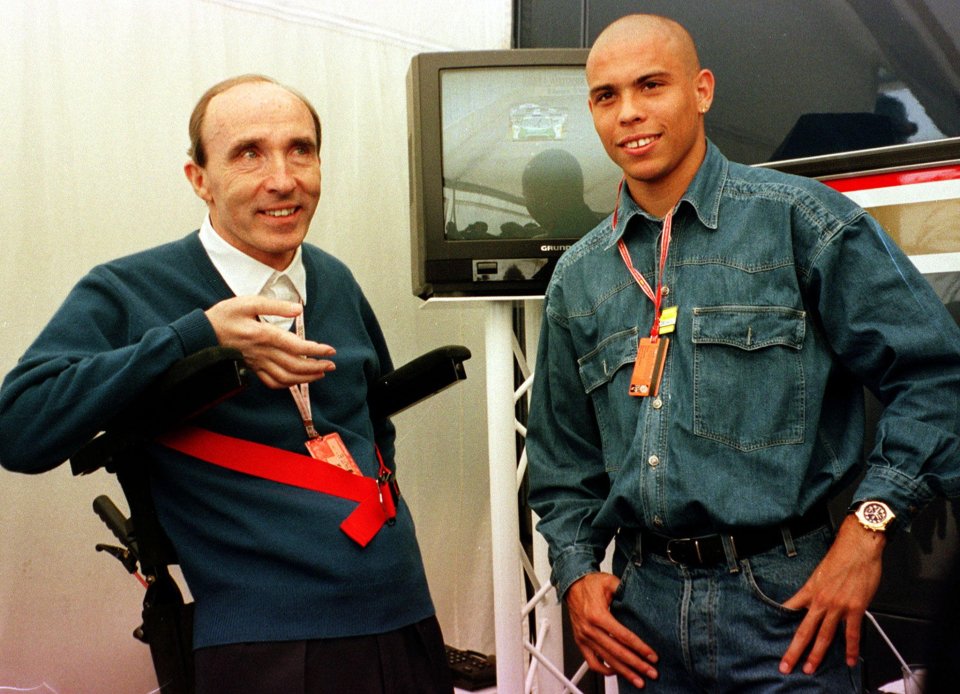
[(548, 608), (504, 517)]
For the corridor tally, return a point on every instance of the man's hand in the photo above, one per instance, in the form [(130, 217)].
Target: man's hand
[(607, 645), (838, 592), (277, 356)]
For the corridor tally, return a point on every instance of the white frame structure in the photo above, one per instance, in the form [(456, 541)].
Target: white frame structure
[(525, 662)]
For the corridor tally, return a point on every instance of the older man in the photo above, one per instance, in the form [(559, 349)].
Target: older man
[(289, 597), (698, 396)]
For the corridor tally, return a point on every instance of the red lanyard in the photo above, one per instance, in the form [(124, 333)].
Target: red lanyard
[(657, 296)]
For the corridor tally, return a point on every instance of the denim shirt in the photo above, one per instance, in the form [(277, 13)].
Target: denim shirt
[(790, 300)]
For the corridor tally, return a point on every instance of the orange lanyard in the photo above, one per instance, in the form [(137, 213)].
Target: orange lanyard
[(301, 392), (318, 445)]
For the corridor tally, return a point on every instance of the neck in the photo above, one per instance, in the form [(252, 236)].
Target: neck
[(654, 202), (660, 195)]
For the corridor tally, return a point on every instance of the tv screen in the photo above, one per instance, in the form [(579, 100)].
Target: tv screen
[(506, 169)]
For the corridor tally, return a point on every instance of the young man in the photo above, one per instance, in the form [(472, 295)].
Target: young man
[(699, 397), (286, 600)]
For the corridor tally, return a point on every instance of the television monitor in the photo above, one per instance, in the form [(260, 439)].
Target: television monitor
[(506, 169)]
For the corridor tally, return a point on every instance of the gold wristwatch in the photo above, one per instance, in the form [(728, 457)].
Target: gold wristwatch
[(874, 515)]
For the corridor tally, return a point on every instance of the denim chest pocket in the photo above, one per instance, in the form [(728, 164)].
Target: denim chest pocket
[(599, 366), (748, 385), (605, 372)]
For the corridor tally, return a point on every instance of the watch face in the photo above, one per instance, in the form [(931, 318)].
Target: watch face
[(874, 515), (874, 512)]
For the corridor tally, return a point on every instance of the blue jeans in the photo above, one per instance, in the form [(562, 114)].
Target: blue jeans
[(723, 628)]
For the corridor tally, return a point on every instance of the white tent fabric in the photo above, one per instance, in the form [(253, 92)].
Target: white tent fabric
[(93, 120)]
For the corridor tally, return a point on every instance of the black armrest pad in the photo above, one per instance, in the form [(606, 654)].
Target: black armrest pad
[(424, 376), (192, 385)]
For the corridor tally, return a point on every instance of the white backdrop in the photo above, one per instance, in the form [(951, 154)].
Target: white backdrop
[(93, 120)]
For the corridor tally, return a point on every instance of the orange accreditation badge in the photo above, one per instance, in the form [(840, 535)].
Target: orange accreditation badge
[(331, 449), (648, 369)]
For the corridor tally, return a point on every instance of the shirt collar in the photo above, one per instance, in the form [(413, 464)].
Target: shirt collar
[(244, 275), (703, 194)]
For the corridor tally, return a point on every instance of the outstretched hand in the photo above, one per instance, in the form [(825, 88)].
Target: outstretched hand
[(607, 645), (278, 357), (837, 593)]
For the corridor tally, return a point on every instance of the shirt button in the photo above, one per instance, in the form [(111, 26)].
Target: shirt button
[(658, 521), (666, 290), (653, 461), (657, 403)]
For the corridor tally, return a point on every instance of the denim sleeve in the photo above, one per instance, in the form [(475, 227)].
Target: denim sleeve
[(888, 327), (568, 480)]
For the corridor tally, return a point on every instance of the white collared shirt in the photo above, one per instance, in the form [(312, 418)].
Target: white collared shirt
[(249, 277)]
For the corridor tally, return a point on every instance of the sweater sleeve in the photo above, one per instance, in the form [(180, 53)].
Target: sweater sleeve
[(87, 365), (383, 430)]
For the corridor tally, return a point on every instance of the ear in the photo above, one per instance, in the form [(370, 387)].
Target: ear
[(197, 177), (704, 84)]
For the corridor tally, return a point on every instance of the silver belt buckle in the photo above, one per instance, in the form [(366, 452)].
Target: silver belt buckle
[(696, 546)]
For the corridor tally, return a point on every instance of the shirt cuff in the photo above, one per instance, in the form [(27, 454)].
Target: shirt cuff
[(572, 565), (905, 496)]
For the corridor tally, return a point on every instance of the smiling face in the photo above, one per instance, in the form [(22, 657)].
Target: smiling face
[(647, 97), (261, 175)]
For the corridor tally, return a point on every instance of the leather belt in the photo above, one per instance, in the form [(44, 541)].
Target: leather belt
[(707, 550)]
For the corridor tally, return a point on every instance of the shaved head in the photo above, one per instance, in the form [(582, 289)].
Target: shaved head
[(640, 28)]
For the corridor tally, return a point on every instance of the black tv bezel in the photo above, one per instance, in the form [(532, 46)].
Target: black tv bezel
[(443, 267)]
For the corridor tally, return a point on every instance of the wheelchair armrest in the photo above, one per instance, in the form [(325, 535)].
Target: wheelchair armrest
[(201, 380), (424, 376), (192, 385)]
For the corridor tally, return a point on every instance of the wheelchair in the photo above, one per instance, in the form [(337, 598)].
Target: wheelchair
[(189, 387)]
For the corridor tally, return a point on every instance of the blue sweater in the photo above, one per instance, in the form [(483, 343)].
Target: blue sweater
[(264, 561)]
